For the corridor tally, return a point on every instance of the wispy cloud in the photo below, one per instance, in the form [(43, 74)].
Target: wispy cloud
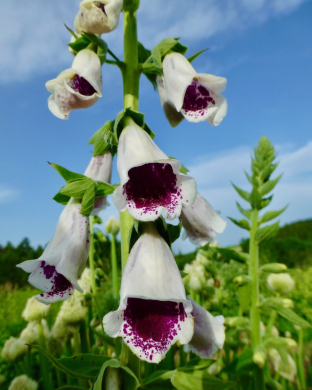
[(34, 39), (7, 194)]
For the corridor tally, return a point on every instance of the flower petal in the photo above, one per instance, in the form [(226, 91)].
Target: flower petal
[(213, 83)]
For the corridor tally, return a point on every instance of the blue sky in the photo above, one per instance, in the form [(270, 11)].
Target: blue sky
[(263, 48)]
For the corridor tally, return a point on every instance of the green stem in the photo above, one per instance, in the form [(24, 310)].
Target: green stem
[(114, 266), (300, 360), (44, 364), (254, 310), (91, 256)]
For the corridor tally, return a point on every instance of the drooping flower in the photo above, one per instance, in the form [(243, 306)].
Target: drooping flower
[(208, 332), (77, 87), (153, 313), (282, 283), (22, 382), (195, 95), (201, 222), (57, 269), (97, 17), (100, 168), (150, 181), (174, 117)]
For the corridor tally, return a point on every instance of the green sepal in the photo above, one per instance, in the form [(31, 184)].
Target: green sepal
[(192, 58), (137, 117), (265, 202), (269, 215), (267, 232), (76, 188), (291, 316), (244, 194), (87, 203), (129, 382), (101, 45), (83, 366), (61, 199), (246, 213), (230, 254), (66, 174), (79, 44), (269, 185), (242, 223)]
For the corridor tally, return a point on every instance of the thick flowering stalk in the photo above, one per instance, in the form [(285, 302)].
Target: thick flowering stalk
[(195, 95), (150, 181), (201, 222), (153, 313), (77, 87), (100, 168), (209, 332), (97, 17), (57, 269)]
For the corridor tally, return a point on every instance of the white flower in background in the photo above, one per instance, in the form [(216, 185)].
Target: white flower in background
[(215, 368), (85, 280), (30, 334), (100, 169), (35, 310), (201, 222), (153, 313), (174, 117), (22, 382), (150, 181), (13, 349), (112, 226), (195, 95), (97, 17), (209, 332), (196, 279), (77, 87), (72, 311), (282, 283), (57, 269), (286, 369)]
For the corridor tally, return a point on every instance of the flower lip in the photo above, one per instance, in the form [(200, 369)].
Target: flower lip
[(81, 85), (101, 6)]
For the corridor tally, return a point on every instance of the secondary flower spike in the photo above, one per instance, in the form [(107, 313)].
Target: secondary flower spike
[(209, 332), (97, 17), (201, 222), (77, 87), (57, 269), (100, 169), (153, 313), (195, 95), (150, 181)]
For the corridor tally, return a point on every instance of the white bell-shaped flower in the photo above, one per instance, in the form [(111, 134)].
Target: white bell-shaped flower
[(174, 117), (97, 17), (57, 269), (201, 222), (153, 313), (77, 87), (195, 95), (209, 332), (100, 169), (150, 181)]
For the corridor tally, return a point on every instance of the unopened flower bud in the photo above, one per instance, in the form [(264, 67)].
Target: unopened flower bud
[(287, 334), (241, 280), (194, 284), (35, 310), (291, 343), (210, 282), (288, 303), (214, 368), (22, 382), (259, 356), (274, 331), (30, 334), (282, 283), (13, 349), (112, 226)]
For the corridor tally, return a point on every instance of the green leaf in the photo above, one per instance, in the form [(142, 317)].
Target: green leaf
[(65, 173), (101, 140), (269, 215), (174, 231), (156, 56), (104, 189), (87, 203), (192, 58), (150, 68), (291, 316), (62, 199), (273, 268), (143, 53), (179, 48), (129, 381), (246, 213), (255, 199), (249, 178), (79, 44), (76, 188), (244, 194), (269, 185), (101, 45), (199, 380), (242, 223), (265, 202), (267, 232), (166, 45), (277, 342), (84, 366), (234, 255)]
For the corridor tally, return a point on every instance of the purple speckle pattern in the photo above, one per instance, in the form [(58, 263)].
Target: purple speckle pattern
[(101, 6), (81, 85), (151, 186), (60, 286), (151, 326), (197, 100)]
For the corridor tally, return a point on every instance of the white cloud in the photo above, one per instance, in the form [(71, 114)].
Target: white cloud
[(7, 194), (34, 38)]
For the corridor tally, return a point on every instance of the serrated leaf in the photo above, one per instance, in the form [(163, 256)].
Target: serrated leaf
[(62, 199), (276, 304), (192, 58), (269, 215), (246, 213), (87, 203), (269, 185), (65, 173), (76, 188), (265, 202), (244, 194), (199, 380), (231, 254), (267, 232), (242, 223)]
